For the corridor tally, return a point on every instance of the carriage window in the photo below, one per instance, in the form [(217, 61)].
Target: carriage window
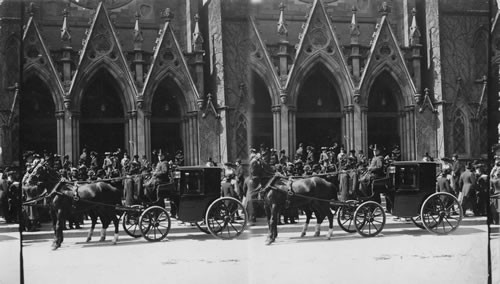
[(406, 178), (191, 182)]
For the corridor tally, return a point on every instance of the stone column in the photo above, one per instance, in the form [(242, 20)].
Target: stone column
[(72, 135), (276, 126), (292, 129), (60, 132), (132, 142), (402, 131), (364, 128), (143, 132), (349, 133)]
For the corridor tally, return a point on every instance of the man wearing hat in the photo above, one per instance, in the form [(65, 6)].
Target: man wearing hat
[(456, 171), (160, 174), (283, 159), (274, 157), (299, 154), (94, 166), (240, 178), (323, 157), (66, 163), (374, 170), (57, 162), (107, 164), (466, 186)]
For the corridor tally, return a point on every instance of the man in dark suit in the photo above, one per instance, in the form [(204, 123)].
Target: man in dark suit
[(240, 178), (456, 171), (442, 183), (466, 185), (374, 170)]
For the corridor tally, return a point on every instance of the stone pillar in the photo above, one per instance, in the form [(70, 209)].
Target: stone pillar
[(60, 132), (276, 126), (402, 131), (72, 135), (355, 52), (284, 129), (349, 127), (292, 125), (143, 132), (184, 135), (363, 110), (132, 143)]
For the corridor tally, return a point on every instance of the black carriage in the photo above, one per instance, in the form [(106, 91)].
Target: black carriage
[(410, 188), (197, 191)]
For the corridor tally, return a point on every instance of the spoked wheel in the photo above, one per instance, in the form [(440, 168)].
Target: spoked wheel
[(418, 222), (202, 226), (130, 221), (226, 218), (369, 219), (441, 213), (345, 216), (154, 223)]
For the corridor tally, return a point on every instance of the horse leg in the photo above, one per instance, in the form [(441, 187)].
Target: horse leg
[(116, 223), (59, 229), (319, 219), (53, 217), (105, 223), (93, 218), (276, 216), (273, 226), (306, 225), (330, 223)]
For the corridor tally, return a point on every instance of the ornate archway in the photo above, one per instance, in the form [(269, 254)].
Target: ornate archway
[(319, 115), (383, 112), (38, 126), (260, 115), (166, 122), (103, 126)]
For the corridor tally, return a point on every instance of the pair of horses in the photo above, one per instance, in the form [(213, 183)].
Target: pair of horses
[(98, 200), (311, 194)]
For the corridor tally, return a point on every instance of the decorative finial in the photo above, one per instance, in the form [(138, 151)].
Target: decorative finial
[(197, 38), (65, 35), (385, 9), (31, 9), (354, 23), (414, 31), (137, 29), (282, 30), (167, 15)]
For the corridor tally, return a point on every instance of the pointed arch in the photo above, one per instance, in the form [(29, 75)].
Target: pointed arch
[(264, 73), (341, 80), (459, 132), (35, 71), (125, 87), (187, 102)]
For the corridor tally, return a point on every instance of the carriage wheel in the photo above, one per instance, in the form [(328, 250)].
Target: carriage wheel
[(202, 226), (345, 216), (441, 213), (226, 218), (130, 222), (154, 223), (369, 219), (417, 221)]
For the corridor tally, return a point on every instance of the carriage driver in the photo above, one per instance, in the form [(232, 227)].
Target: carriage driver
[(375, 170), (160, 173)]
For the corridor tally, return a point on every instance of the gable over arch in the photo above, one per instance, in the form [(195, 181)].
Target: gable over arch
[(34, 71)]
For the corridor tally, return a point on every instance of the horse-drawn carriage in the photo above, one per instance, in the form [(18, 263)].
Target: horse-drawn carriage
[(197, 190), (410, 188)]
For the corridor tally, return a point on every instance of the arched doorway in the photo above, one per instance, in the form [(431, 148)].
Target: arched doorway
[(102, 122), (261, 118), (166, 126), (319, 116), (382, 116), (38, 126)]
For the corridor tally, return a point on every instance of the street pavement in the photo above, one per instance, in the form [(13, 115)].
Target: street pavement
[(402, 253)]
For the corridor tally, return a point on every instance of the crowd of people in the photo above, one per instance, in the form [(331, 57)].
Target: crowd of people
[(471, 182)]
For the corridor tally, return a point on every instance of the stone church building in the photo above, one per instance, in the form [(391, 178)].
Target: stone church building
[(215, 78)]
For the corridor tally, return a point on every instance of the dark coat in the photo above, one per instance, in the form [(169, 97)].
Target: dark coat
[(467, 182), (443, 184)]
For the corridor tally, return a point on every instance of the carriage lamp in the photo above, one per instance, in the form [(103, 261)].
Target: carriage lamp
[(319, 102), (103, 107), (177, 175), (167, 107)]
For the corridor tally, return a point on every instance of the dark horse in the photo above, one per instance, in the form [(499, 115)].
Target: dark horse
[(97, 199), (311, 194)]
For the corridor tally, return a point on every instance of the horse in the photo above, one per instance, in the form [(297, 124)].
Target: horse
[(311, 194), (98, 199)]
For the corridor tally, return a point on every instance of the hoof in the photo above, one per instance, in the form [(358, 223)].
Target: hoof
[(302, 234), (102, 239), (328, 238), (88, 239), (269, 241), (316, 234), (55, 246)]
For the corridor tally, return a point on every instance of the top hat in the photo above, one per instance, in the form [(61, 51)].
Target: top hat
[(324, 148)]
